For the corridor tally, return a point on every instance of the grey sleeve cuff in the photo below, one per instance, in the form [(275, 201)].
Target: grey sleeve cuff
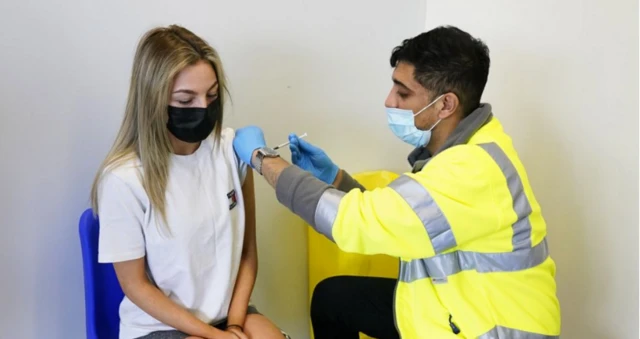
[(300, 192), (348, 183)]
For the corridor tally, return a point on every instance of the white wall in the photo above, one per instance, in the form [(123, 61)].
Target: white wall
[(319, 67), (564, 82)]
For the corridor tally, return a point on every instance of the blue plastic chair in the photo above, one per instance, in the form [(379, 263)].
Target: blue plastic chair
[(102, 292)]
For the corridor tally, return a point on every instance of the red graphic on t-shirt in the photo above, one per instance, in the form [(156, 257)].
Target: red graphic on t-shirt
[(233, 199)]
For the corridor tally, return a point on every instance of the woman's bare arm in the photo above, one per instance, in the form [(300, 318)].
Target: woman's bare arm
[(249, 260), (137, 287)]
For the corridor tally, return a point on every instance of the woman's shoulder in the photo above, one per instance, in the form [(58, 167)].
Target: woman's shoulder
[(121, 181), (226, 135), (226, 142), (127, 170), (225, 139)]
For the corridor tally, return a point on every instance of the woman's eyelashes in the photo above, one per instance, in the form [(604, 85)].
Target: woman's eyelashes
[(188, 101)]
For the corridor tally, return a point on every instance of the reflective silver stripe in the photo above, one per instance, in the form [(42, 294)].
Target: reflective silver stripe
[(326, 212), (432, 218), (523, 256), (444, 265), (441, 266), (500, 332), (522, 227)]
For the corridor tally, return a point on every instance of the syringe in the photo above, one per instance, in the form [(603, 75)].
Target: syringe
[(287, 143)]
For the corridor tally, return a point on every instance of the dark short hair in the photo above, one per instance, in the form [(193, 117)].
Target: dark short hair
[(447, 59)]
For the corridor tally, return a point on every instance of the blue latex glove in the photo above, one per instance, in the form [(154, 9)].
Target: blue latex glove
[(247, 140), (312, 159)]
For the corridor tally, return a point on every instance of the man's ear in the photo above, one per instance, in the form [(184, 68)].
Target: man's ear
[(450, 105)]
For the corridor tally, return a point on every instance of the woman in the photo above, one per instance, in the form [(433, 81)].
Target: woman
[(176, 207)]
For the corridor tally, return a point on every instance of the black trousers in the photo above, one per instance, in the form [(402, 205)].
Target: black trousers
[(343, 306)]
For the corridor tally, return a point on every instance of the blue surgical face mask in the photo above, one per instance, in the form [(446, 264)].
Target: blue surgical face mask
[(402, 125)]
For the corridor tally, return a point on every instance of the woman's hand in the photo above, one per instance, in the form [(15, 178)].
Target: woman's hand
[(237, 333), (219, 335), (137, 287)]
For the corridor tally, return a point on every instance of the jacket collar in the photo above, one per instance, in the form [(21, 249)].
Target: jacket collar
[(461, 135)]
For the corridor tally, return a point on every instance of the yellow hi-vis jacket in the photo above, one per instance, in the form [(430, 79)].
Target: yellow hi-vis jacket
[(471, 240)]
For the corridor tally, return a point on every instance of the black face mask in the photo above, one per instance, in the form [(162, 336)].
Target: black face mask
[(193, 124)]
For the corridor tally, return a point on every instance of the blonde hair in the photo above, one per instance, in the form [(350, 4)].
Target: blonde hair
[(161, 54)]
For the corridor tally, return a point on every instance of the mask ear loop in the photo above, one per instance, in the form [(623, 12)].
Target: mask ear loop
[(434, 125), (429, 105)]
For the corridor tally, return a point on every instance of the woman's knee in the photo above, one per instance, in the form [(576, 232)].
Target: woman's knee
[(257, 326)]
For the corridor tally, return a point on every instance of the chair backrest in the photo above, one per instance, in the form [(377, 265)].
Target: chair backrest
[(102, 291)]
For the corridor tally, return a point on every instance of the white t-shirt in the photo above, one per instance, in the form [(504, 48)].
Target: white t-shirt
[(197, 263)]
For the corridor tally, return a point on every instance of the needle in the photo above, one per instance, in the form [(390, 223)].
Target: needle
[(287, 143)]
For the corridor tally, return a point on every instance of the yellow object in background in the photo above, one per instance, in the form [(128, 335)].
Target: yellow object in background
[(327, 260)]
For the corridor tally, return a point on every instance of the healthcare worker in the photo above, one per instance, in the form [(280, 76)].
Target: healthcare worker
[(474, 260)]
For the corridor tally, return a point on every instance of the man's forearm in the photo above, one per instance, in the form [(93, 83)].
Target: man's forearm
[(272, 168)]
